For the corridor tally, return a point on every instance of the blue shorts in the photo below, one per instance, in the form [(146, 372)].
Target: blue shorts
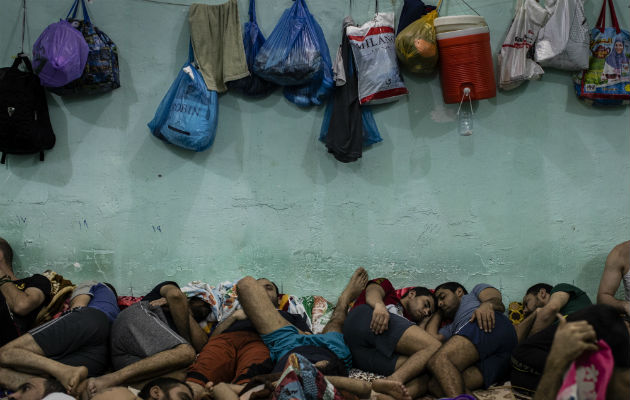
[(494, 348), (285, 339)]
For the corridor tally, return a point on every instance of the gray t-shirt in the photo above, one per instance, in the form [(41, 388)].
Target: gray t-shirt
[(468, 304)]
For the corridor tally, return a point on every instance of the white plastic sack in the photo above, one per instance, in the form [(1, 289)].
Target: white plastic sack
[(515, 58), (375, 56), (563, 42)]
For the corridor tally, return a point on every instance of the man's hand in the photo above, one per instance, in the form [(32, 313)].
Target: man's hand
[(159, 302), (572, 339), (484, 315), (380, 319)]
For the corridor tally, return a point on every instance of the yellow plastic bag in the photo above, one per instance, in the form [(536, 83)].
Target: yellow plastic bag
[(416, 46)]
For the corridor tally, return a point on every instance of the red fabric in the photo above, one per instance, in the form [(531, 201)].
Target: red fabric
[(391, 294), (126, 301), (229, 355)]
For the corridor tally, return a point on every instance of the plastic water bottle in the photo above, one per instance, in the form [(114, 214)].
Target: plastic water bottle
[(465, 126)]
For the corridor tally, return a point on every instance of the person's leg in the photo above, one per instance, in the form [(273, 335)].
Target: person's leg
[(250, 350), (216, 362), (156, 365), (353, 289), (25, 355), (472, 379), (12, 380), (258, 307), (447, 365), (418, 346)]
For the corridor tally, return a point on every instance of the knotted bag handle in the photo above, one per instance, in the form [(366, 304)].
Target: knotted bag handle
[(601, 21), (75, 8)]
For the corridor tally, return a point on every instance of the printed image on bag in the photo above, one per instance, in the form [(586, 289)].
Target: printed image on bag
[(607, 80), (373, 47)]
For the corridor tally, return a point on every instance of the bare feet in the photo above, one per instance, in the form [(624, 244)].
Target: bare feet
[(96, 385), (394, 389), (357, 283), (70, 377)]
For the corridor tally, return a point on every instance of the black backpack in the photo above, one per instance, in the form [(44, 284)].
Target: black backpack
[(24, 122)]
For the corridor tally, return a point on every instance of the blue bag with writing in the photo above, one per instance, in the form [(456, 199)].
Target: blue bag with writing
[(607, 79), (187, 115)]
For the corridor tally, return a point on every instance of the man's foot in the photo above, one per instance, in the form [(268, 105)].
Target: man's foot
[(96, 385), (394, 389), (70, 377), (357, 283)]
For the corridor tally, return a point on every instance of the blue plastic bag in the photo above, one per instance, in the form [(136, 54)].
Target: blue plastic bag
[(253, 40), (59, 54), (321, 85), (187, 115), (290, 56)]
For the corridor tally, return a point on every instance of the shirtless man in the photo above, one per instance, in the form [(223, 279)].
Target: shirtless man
[(616, 271), (327, 350)]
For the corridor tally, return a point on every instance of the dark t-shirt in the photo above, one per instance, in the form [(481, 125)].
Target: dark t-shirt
[(578, 300), (14, 325), (246, 324), (154, 294)]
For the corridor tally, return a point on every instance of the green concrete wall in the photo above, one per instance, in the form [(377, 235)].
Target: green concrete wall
[(540, 192)]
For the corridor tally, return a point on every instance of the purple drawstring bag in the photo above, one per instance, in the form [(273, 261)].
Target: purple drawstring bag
[(59, 54)]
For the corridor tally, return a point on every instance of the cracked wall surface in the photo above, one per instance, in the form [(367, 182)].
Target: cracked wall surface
[(539, 192)]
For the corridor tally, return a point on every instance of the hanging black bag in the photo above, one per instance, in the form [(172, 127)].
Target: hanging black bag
[(24, 122)]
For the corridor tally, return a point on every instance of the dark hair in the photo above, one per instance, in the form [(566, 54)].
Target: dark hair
[(199, 308), (420, 291), (109, 285), (452, 286), (164, 383), (536, 288), (274, 285), (51, 385), (7, 251)]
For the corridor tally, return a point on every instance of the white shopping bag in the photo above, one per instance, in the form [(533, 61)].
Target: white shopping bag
[(375, 55), (515, 59), (563, 42)]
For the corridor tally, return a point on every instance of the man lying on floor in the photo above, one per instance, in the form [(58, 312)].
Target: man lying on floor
[(153, 338), (235, 347), (382, 333), (70, 348), (477, 343)]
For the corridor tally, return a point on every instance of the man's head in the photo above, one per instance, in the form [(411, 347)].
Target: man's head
[(419, 302), (448, 296), (166, 389), (6, 255), (536, 296), (199, 308), (271, 289), (37, 388)]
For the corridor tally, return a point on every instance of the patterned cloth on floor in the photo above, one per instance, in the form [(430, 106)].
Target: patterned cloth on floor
[(300, 380), (222, 300)]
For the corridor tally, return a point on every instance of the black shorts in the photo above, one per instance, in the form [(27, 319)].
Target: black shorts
[(371, 352), (78, 337), (494, 348)]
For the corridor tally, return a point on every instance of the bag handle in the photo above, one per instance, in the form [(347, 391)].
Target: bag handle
[(601, 21), (86, 16), (73, 9), (252, 11), (21, 57)]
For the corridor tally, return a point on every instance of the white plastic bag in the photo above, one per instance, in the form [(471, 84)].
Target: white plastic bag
[(375, 55), (515, 58), (563, 42)]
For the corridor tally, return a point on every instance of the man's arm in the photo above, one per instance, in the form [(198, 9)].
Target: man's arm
[(547, 314), (611, 279), (22, 302), (569, 342), (374, 295), (491, 301), (525, 327), (237, 315), (178, 306), (433, 326), (198, 337)]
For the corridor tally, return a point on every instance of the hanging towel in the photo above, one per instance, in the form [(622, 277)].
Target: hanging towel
[(217, 40)]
